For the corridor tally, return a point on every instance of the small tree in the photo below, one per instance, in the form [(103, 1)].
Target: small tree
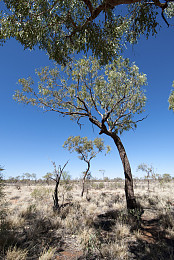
[(102, 172), (163, 179), (58, 173), (33, 176), (149, 172), (87, 150), (167, 177), (109, 100), (47, 177)]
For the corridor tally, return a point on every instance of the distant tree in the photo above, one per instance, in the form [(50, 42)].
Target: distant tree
[(66, 177), (109, 97), (106, 179), (87, 150), (33, 176), (48, 177), (27, 176), (12, 179), (102, 172), (167, 177), (149, 172)]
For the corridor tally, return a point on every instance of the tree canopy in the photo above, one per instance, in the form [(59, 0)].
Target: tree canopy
[(63, 28), (108, 97), (87, 149)]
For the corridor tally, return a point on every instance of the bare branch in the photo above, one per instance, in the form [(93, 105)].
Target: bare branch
[(52, 178), (84, 104), (64, 166), (141, 119)]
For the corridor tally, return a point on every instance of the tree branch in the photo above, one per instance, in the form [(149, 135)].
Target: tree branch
[(89, 5), (95, 106), (52, 178)]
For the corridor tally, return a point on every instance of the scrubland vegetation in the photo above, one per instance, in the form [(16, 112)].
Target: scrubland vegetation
[(113, 220), (99, 227)]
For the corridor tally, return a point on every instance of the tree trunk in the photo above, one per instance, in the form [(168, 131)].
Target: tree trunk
[(148, 185), (55, 197), (129, 190), (84, 178)]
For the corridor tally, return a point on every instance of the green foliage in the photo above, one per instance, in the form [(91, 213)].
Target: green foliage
[(164, 178), (170, 10), (40, 194), (167, 177), (101, 185), (48, 176), (66, 177), (149, 170), (87, 149), (63, 28), (171, 99), (108, 96)]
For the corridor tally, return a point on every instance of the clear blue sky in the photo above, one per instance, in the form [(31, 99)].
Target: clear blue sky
[(31, 139)]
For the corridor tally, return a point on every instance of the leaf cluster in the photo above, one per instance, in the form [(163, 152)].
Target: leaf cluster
[(63, 28), (86, 149), (109, 96), (149, 170)]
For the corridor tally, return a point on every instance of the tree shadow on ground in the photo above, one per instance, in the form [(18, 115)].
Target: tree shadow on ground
[(107, 220), (153, 241), (36, 235)]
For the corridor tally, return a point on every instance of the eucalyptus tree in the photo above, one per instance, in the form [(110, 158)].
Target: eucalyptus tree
[(72, 26), (109, 97), (87, 150), (149, 173)]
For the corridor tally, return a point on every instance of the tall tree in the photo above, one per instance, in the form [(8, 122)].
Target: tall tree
[(109, 97), (87, 150), (66, 27)]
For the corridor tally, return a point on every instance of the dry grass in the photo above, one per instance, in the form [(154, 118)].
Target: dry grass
[(100, 228), (15, 253)]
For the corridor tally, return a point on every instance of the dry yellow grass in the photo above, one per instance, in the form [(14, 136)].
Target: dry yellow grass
[(100, 227)]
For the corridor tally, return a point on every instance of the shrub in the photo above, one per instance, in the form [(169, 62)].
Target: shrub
[(2, 202), (17, 254)]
